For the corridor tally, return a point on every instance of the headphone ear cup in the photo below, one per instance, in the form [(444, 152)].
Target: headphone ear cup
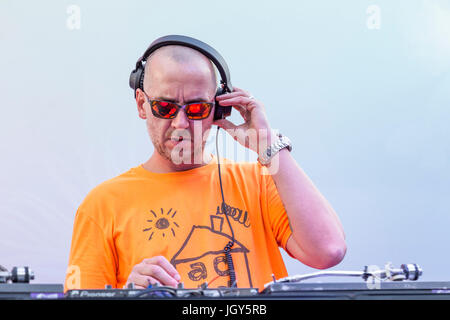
[(221, 112), (137, 79), (141, 79)]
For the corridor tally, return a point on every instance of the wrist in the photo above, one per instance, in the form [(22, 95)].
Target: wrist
[(277, 143), (266, 139)]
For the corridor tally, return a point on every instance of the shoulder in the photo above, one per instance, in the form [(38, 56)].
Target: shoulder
[(111, 190)]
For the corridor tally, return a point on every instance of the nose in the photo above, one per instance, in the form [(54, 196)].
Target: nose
[(180, 121)]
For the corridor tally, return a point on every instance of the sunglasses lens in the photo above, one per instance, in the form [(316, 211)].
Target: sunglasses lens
[(164, 109), (168, 110), (197, 111)]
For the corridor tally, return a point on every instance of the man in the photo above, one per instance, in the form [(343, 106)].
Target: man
[(164, 222)]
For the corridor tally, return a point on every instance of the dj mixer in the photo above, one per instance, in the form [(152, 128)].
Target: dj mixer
[(381, 284)]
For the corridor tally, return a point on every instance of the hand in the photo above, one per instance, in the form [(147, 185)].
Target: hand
[(154, 270), (255, 133)]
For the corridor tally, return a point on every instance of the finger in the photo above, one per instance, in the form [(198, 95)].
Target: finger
[(243, 111), (229, 125), (139, 287), (239, 100), (142, 281), (152, 281), (236, 132), (232, 95), (166, 265), (158, 273), (236, 89), (225, 124)]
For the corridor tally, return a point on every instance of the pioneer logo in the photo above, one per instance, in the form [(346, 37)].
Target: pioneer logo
[(92, 294), (89, 294)]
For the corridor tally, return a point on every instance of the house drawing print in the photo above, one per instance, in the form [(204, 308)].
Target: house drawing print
[(202, 265)]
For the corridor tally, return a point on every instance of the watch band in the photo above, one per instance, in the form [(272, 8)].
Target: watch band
[(282, 142)]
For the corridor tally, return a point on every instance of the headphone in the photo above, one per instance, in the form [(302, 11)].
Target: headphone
[(137, 75)]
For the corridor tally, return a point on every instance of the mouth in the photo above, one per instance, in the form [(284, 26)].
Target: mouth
[(177, 139)]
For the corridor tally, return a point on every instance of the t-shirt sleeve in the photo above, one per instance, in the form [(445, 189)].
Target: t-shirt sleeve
[(92, 255), (277, 213)]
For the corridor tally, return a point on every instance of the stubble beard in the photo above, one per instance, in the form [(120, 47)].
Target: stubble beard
[(192, 152)]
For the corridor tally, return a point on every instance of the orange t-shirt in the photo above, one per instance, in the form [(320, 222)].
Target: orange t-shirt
[(140, 214)]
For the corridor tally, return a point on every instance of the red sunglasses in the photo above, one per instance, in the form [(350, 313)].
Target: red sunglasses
[(169, 110)]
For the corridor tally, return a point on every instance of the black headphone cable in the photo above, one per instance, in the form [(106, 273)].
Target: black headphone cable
[(227, 249)]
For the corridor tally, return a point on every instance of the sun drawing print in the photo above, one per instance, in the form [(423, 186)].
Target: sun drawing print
[(162, 224)]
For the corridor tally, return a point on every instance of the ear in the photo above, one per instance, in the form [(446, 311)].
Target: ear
[(140, 101)]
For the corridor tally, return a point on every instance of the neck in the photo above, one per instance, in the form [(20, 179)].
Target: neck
[(159, 164)]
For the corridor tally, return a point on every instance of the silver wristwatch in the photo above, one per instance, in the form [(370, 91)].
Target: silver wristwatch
[(270, 152)]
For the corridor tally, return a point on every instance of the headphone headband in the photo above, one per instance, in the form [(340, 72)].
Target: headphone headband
[(137, 74), (136, 80)]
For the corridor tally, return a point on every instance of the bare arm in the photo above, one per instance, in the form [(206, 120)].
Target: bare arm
[(318, 239)]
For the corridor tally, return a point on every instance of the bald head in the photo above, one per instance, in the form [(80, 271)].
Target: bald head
[(185, 57)]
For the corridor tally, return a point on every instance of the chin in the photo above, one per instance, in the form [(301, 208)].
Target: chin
[(187, 160)]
